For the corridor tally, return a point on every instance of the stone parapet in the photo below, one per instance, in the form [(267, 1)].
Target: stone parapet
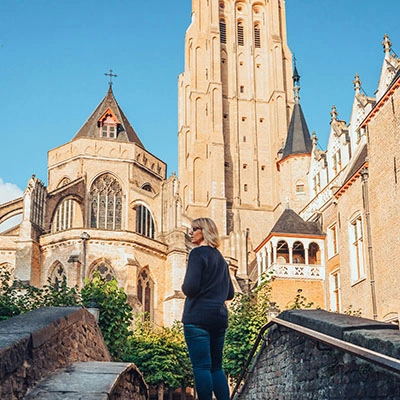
[(35, 344), (292, 366)]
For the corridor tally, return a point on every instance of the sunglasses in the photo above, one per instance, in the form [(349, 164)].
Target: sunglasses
[(195, 229)]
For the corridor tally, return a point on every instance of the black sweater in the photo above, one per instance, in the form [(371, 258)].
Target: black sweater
[(207, 285)]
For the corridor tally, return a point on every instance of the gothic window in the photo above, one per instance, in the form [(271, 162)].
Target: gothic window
[(222, 31), (145, 290), (357, 264), (106, 203), (257, 36), (147, 187), (64, 216), (57, 275), (144, 222), (63, 182), (104, 268), (240, 33)]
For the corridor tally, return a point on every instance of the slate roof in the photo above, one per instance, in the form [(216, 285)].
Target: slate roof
[(298, 139), (125, 132), (291, 223)]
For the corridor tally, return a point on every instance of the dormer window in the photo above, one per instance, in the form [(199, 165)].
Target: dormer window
[(108, 124)]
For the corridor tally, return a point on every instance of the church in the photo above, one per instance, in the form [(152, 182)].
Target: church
[(320, 221)]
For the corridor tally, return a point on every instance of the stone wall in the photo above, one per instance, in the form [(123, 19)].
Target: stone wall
[(292, 366), (35, 344)]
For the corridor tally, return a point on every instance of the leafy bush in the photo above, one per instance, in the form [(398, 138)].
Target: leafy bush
[(115, 313), (161, 354), (17, 298)]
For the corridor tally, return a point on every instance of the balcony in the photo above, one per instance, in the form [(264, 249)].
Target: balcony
[(297, 271)]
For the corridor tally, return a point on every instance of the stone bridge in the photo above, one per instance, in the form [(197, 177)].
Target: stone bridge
[(59, 353)]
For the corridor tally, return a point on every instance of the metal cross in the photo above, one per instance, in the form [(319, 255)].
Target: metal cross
[(111, 75)]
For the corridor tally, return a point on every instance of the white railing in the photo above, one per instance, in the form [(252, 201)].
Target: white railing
[(302, 271)]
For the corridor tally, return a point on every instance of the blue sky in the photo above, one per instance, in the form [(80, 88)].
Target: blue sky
[(54, 53)]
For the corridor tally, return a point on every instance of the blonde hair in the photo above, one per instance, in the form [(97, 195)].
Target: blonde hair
[(209, 229)]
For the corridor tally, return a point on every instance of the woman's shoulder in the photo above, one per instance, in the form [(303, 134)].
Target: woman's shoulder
[(205, 249)]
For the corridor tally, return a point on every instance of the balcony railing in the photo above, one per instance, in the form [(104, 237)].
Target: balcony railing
[(302, 271)]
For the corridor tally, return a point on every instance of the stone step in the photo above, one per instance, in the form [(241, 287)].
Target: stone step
[(92, 380)]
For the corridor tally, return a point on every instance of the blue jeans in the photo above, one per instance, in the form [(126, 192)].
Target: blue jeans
[(205, 350)]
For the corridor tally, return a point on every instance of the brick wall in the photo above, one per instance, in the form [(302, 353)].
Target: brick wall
[(293, 366), (35, 344)]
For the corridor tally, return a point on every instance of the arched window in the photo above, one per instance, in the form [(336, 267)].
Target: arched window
[(147, 187), (104, 268), (57, 275), (64, 181), (240, 33), (298, 253), (144, 222), (106, 203), (145, 291), (64, 216), (314, 254), (282, 251)]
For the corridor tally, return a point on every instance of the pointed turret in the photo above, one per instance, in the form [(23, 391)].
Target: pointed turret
[(108, 121), (298, 139), (295, 155)]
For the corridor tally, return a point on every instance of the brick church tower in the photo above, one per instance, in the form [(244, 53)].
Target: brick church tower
[(235, 103)]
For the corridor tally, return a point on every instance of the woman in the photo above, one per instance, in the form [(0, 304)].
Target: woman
[(207, 285)]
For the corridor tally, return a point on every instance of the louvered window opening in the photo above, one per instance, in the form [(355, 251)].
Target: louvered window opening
[(240, 33), (257, 37), (222, 31)]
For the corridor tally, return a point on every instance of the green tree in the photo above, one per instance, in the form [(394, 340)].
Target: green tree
[(161, 355), (116, 316), (246, 317)]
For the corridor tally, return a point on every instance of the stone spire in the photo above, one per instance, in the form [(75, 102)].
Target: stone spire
[(387, 44), (296, 83), (298, 138), (357, 84), (334, 114)]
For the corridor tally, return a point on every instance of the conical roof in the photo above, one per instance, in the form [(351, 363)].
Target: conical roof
[(91, 128), (298, 139)]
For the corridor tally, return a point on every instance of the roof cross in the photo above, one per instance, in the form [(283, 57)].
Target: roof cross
[(111, 75)]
